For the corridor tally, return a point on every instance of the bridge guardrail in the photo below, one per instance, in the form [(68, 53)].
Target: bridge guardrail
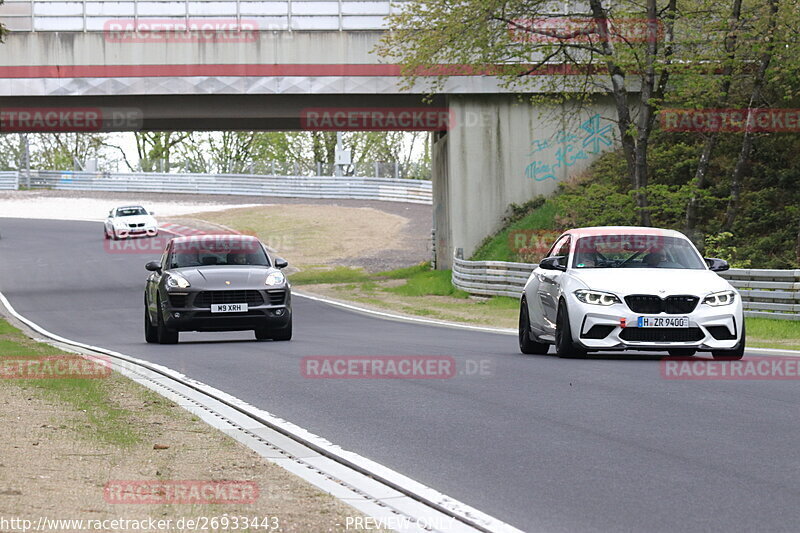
[(395, 190), (9, 181), (765, 293)]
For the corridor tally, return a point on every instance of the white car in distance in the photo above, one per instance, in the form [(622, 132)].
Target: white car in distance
[(130, 221), (630, 288)]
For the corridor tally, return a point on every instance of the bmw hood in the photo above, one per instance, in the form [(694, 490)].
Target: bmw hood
[(147, 220), (226, 277), (624, 281)]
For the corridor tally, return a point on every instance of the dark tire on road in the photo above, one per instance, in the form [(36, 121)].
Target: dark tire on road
[(565, 347), (283, 334), (150, 331), (682, 352), (164, 334), (526, 344), (105, 233), (734, 354)]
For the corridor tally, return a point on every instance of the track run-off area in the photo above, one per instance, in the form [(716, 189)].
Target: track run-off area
[(544, 444)]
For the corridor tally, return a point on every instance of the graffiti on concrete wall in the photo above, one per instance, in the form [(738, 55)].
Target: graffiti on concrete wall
[(564, 148)]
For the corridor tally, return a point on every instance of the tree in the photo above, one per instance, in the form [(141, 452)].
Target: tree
[(155, 149), (580, 54)]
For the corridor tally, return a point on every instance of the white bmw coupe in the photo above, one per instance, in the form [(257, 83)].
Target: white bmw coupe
[(630, 288), (130, 221)]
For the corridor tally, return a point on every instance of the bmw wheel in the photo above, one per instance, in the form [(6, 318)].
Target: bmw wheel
[(731, 355), (526, 344), (565, 347)]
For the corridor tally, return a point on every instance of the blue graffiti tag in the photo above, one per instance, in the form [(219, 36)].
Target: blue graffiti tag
[(595, 134), (569, 148)]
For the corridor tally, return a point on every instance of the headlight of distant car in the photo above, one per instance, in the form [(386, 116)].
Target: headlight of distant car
[(275, 278), (596, 297), (176, 281), (715, 299)]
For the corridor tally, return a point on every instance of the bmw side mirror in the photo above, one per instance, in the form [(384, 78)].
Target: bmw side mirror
[(152, 213), (552, 263), (153, 266), (280, 262), (716, 265)]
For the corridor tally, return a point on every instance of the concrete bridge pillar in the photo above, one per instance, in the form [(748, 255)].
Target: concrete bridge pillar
[(501, 150)]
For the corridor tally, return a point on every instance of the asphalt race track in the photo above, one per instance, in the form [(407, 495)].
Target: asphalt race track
[(545, 444)]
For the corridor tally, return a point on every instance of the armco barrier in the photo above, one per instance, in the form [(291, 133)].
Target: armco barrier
[(9, 181), (765, 293), (395, 190)]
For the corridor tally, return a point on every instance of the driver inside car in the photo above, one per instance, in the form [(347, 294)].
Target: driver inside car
[(237, 259), (655, 258)]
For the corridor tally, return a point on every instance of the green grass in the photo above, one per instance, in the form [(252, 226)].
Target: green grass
[(94, 396), (498, 247), (769, 333), (336, 275), (429, 283), (420, 280)]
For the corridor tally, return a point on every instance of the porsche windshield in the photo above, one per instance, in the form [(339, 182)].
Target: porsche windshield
[(636, 251), (220, 252)]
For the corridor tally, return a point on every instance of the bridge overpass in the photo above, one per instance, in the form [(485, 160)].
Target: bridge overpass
[(255, 65)]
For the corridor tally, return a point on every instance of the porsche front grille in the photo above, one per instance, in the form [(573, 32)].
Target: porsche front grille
[(207, 298)]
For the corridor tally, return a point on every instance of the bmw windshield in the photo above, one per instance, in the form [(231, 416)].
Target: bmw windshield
[(636, 251)]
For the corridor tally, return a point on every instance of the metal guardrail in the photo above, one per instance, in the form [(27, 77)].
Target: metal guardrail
[(9, 181), (395, 190), (765, 293), (287, 15)]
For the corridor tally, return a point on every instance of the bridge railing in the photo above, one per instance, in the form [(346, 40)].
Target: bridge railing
[(95, 15), (765, 293), (396, 190)]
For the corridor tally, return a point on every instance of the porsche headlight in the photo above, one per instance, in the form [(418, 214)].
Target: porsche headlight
[(596, 297), (176, 281), (275, 278), (716, 299)]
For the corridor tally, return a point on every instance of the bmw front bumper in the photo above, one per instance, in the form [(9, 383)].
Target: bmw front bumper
[(614, 327)]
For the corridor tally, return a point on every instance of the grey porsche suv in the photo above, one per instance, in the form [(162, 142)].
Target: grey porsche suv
[(217, 283)]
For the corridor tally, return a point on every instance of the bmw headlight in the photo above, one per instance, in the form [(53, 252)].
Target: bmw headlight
[(596, 297), (176, 281), (275, 278), (716, 299)]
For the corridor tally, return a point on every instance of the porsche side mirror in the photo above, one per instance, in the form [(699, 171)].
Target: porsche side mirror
[(552, 263), (281, 263), (153, 266), (716, 265)]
